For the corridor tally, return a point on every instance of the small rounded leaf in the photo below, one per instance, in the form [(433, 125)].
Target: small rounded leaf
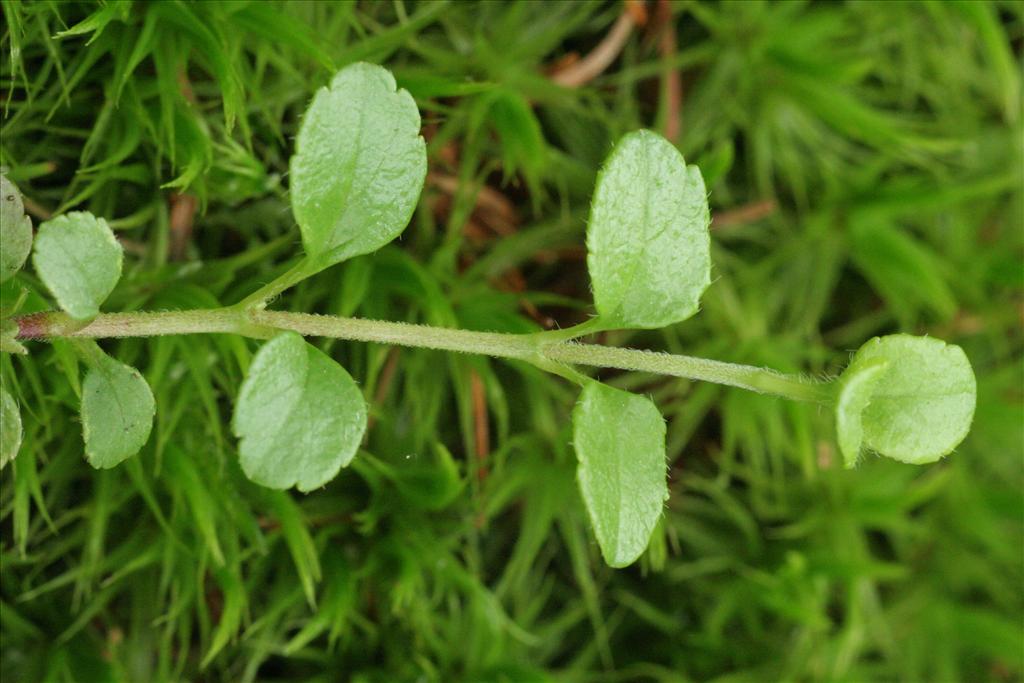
[(15, 230), (117, 412), (359, 165), (649, 252), (79, 260), (620, 444), (10, 428), (915, 396), (300, 416)]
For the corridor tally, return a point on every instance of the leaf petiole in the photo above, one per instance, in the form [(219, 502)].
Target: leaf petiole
[(304, 268)]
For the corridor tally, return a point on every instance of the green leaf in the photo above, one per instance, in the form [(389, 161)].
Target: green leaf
[(300, 416), (15, 230), (915, 397), (117, 412), (10, 428), (855, 390), (649, 249), (620, 443), (359, 165), (9, 338), (79, 260)]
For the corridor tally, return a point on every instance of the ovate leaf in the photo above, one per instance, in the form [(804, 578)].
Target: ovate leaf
[(300, 416), (117, 412), (620, 443), (10, 428), (922, 397), (855, 390), (359, 165), (649, 249), (79, 260), (15, 230)]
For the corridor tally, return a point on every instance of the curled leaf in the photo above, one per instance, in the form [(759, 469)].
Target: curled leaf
[(856, 388), (914, 398), (79, 260), (300, 416), (649, 251), (620, 444), (359, 166)]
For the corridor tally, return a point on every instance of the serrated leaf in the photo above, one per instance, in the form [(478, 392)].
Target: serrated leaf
[(15, 230), (300, 416), (10, 428), (855, 391), (921, 404), (79, 260), (620, 444), (117, 412), (647, 238), (359, 166)]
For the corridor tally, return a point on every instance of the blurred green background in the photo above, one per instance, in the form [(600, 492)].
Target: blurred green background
[(864, 161)]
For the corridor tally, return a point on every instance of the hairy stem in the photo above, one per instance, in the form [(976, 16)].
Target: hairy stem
[(537, 349)]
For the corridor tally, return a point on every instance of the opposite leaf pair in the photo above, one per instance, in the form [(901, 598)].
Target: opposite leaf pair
[(909, 398), (356, 177), (79, 260), (650, 261)]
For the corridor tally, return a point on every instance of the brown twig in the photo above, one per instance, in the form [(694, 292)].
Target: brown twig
[(672, 83), (748, 213), (481, 429), (183, 212), (494, 210), (387, 378), (36, 209), (600, 58)]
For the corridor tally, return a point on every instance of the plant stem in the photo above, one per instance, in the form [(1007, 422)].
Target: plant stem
[(537, 349)]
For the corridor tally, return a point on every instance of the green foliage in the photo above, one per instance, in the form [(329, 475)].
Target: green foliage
[(809, 121), (10, 428), (647, 237), (15, 230), (299, 416), (79, 260), (8, 338), (620, 442), (117, 411), (915, 398), (359, 165)]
